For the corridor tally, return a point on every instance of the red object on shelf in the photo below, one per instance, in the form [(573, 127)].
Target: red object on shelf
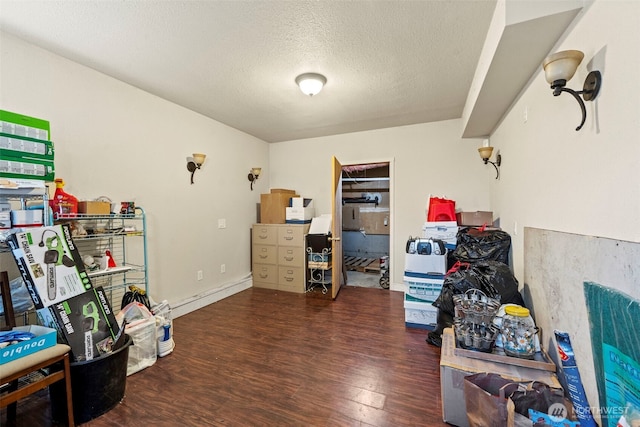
[(110, 262), (441, 210), (63, 205)]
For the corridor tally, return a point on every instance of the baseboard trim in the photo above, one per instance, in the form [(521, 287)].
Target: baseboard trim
[(196, 302)]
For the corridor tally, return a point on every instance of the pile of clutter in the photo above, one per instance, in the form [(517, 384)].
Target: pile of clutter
[(60, 289)]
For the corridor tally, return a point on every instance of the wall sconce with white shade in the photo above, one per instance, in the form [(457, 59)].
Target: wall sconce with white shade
[(194, 163), (485, 153), (253, 175), (560, 67), (311, 83)]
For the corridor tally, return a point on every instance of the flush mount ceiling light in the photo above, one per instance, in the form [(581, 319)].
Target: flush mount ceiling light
[(311, 83), (253, 175), (485, 153), (560, 67), (194, 163)]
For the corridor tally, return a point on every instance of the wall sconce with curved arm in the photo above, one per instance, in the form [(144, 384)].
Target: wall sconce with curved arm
[(485, 153), (253, 175), (560, 67), (194, 163)]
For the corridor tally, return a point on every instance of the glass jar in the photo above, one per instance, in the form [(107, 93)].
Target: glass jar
[(518, 333)]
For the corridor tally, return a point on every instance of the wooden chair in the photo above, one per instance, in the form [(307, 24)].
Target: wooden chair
[(54, 359)]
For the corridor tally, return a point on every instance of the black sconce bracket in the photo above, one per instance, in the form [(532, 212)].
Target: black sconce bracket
[(192, 167), (589, 91), (495, 164)]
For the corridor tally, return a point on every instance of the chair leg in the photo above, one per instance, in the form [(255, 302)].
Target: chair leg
[(67, 386), (12, 407)]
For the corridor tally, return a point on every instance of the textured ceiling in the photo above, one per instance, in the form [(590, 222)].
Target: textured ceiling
[(387, 63)]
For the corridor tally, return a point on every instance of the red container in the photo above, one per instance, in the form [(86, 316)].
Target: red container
[(441, 210), (63, 205)]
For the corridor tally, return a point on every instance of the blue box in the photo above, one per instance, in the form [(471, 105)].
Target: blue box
[(44, 338)]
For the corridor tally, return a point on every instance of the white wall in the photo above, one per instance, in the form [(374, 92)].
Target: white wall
[(585, 182), (114, 140), (429, 158)]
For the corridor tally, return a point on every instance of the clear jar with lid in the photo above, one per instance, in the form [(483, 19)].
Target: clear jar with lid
[(518, 333)]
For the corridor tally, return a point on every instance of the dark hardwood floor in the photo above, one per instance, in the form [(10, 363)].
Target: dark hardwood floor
[(268, 358)]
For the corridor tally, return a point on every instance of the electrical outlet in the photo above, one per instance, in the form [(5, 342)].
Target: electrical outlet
[(199, 275), (222, 223), (223, 268)]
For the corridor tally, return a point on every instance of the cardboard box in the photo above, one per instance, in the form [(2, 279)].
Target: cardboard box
[(50, 264), (422, 287), (475, 219), (420, 314), (273, 206), (374, 220), (44, 338), (425, 264), (304, 214), (94, 207), (19, 124), (446, 231), (25, 147), (27, 218), (86, 323), (300, 202), (351, 217), (454, 368)]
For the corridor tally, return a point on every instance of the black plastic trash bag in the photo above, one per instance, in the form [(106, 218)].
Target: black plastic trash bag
[(478, 244), (493, 278)]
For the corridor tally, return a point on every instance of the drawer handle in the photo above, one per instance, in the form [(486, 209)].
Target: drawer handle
[(263, 276), (288, 279), (263, 236), (288, 258), (288, 237), (264, 256)]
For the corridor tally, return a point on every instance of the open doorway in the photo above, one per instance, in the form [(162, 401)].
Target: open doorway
[(366, 224)]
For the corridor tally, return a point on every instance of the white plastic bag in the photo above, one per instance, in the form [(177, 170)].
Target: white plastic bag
[(141, 327)]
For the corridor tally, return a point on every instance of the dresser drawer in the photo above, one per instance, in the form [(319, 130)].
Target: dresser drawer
[(290, 256), (265, 254), (291, 279), (265, 273), (264, 234), (291, 235)]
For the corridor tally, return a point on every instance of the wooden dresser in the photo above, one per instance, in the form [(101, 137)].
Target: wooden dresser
[(278, 256)]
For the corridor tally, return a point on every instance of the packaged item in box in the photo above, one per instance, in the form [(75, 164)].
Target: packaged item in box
[(425, 264), (19, 124), (446, 231), (94, 207), (27, 218), (422, 287), (5, 220), (41, 338), (475, 219), (273, 206), (49, 263), (25, 147), (86, 323), (27, 168)]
